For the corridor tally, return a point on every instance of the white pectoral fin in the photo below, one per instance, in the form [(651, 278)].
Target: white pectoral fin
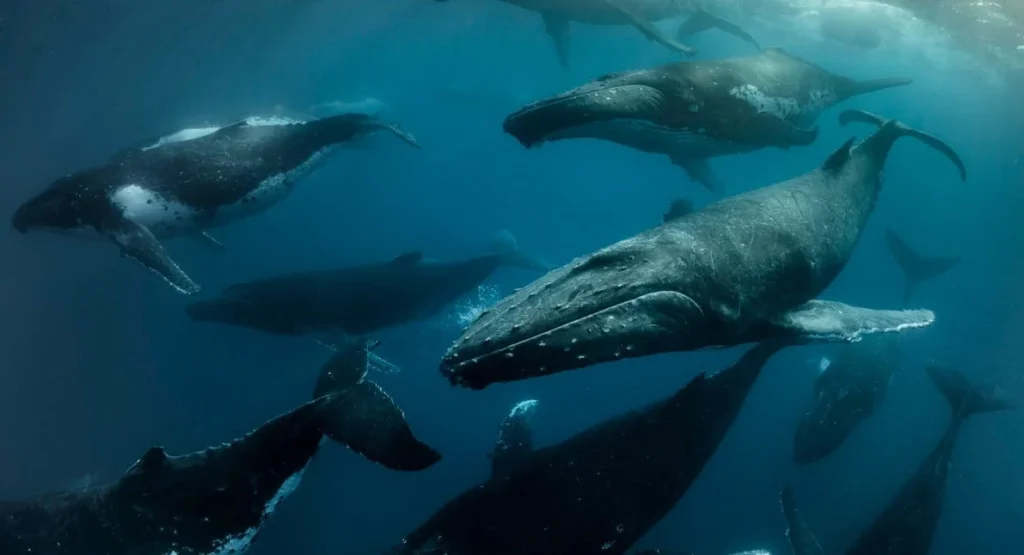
[(138, 242), (833, 321), (209, 241)]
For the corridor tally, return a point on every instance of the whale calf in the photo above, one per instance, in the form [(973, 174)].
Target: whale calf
[(640, 14), (190, 181), (915, 266), (846, 393), (600, 490), (907, 525), (739, 270), (215, 501), (693, 111), (357, 300)]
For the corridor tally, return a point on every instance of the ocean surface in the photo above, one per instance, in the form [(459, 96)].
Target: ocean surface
[(100, 361)]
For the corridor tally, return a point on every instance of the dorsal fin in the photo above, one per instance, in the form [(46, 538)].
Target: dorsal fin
[(408, 259), (153, 459), (838, 159), (515, 439)]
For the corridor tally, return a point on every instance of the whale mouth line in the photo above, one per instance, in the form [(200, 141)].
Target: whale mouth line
[(537, 339)]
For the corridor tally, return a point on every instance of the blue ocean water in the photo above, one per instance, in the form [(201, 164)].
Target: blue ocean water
[(101, 363)]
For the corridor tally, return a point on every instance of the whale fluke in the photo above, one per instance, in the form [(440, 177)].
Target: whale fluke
[(362, 416), (916, 267), (640, 21), (902, 130), (701, 21), (800, 536), (964, 398)]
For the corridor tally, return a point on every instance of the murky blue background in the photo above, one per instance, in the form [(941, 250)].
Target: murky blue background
[(99, 361)]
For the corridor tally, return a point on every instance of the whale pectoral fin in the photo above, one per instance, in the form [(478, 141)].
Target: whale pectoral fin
[(138, 242), (832, 321), (699, 170), (339, 340), (701, 21), (645, 26), (557, 27), (208, 240), (515, 439)]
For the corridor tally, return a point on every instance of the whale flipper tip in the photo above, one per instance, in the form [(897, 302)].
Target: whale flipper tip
[(834, 321)]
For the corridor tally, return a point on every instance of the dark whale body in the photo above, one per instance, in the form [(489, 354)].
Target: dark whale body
[(845, 395), (742, 269), (693, 111), (640, 14), (596, 492), (190, 181), (355, 300), (907, 525), (217, 500)]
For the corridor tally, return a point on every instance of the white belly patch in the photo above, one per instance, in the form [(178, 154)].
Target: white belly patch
[(149, 208), (784, 107), (269, 192)]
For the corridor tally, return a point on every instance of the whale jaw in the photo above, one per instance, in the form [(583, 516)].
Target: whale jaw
[(562, 116)]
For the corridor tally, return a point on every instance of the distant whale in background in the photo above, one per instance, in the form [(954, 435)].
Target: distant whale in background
[(640, 14), (907, 525), (739, 270), (693, 111), (599, 491), (190, 181), (357, 300), (916, 267), (846, 393), (216, 501)]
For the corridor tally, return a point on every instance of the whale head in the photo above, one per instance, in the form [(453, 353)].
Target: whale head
[(623, 301), (592, 110), (56, 208)]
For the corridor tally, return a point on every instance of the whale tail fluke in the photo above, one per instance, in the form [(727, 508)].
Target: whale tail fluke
[(505, 245), (916, 267), (852, 87), (894, 129), (702, 21), (360, 415), (965, 398)]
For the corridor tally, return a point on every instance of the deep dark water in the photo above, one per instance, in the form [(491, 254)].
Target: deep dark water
[(101, 362)]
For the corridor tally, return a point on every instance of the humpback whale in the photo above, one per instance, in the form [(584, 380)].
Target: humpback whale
[(915, 266), (600, 490), (215, 501), (190, 181), (640, 14), (357, 300), (742, 269), (693, 111), (907, 525), (846, 393)]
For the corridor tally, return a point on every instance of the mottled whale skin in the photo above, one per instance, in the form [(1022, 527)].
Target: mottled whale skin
[(846, 393), (640, 14), (692, 111), (356, 300), (739, 270), (907, 525), (191, 181), (215, 501), (599, 491)]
